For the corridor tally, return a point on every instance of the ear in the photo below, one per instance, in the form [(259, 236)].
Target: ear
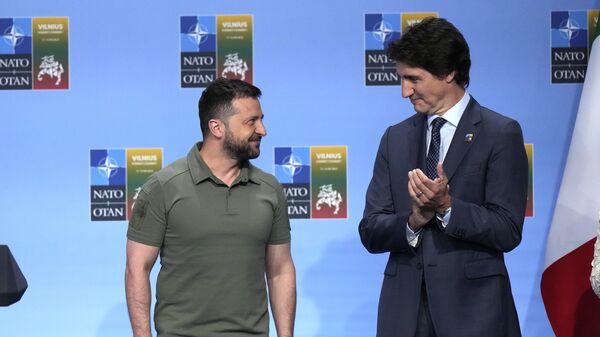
[(450, 77), (216, 128)]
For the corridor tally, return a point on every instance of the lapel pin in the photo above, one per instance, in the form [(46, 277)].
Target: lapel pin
[(468, 137)]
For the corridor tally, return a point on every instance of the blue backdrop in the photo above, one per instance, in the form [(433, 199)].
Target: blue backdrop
[(309, 61)]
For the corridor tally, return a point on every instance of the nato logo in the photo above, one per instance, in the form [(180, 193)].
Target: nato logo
[(380, 31), (569, 38), (292, 169), (15, 53), (108, 185), (198, 39)]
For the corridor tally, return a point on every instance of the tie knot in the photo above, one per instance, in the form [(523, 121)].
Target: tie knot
[(437, 124)]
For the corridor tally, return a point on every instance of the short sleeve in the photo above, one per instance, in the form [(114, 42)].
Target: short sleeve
[(147, 224), (280, 232)]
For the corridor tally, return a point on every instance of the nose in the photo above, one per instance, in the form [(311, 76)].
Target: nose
[(407, 89), (260, 130)]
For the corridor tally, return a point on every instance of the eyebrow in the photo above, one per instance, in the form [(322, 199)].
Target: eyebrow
[(255, 117)]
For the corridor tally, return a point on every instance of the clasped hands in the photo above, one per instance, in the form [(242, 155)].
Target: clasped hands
[(429, 196)]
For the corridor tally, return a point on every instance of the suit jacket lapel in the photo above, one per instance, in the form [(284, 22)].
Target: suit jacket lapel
[(465, 135), (416, 139)]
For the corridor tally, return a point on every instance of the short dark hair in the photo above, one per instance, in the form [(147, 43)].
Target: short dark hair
[(435, 45), (217, 98)]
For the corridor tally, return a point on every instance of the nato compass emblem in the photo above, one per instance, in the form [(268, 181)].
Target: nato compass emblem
[(108, 167), (569, 35), (13, 36), (198, 34), (292, 169), (569, 29), (292, 165), (382, 31)]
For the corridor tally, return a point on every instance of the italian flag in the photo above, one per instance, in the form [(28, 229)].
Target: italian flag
[(572, 307)]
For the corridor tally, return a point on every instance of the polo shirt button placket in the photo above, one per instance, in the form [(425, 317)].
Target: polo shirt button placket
[(227, 197)]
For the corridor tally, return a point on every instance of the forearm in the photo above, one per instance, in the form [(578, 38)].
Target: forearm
[(282, 295), (381, 233), (491, 226), (137, 289)]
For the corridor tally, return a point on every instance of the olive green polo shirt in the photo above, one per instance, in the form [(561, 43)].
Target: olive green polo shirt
[(212, 241)]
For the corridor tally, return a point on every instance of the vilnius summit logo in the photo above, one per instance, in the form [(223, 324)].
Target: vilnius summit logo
[(116, 179), (34, 53), (380, 31), (314, 181), (215, 46)]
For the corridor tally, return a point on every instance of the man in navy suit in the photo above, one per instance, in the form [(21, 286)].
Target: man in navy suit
[(447, 198)]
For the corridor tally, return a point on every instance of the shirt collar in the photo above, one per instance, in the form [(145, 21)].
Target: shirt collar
[(247, 173), (454, 114), (200, 171)]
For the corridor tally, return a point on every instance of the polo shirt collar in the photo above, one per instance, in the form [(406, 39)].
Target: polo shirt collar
[(249, 172), (200, 171)]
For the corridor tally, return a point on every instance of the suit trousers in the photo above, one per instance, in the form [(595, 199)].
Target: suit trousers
[(424, 323)]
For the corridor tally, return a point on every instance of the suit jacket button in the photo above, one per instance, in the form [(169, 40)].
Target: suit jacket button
[(419, 266)]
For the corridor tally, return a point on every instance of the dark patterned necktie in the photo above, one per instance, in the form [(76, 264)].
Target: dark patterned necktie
[(433, 156)]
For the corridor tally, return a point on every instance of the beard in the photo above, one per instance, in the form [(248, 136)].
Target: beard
[(240, 149)]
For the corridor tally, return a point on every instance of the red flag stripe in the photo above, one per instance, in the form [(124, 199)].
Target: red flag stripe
[(572, 307)]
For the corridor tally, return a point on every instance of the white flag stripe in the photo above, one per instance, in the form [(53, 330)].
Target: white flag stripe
[(574, 221)]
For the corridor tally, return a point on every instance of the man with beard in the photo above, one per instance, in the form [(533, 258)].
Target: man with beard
[(447, 198), (220, 224)]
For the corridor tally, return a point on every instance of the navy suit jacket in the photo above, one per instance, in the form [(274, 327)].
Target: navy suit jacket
[(468, 288)]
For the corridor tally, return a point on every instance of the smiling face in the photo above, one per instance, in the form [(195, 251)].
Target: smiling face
[(244, 129), (429, 95)]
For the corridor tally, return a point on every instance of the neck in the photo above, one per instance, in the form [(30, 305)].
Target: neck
[(453, 97), (219, 163)]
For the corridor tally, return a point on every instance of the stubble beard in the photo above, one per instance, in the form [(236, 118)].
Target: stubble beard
[(240, 150)]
